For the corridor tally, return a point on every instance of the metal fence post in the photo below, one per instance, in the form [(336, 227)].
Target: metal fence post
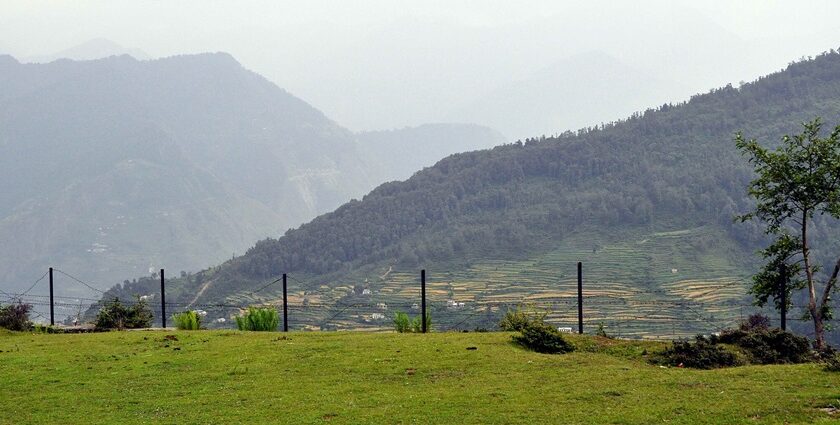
[(162, 300), (52, 311), (423, 298), (285, 306), (580, 296)]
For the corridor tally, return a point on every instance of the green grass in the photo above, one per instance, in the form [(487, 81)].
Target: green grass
[(258, 319), (349, 378), (187, 321)]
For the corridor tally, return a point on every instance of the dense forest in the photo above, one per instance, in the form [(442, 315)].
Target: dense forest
[(674, 166)]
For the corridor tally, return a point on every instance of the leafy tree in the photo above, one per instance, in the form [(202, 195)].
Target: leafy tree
[(795, 181), (116, 315)]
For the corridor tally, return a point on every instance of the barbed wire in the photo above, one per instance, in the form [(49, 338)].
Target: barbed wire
[(89, 286), (36, 282)]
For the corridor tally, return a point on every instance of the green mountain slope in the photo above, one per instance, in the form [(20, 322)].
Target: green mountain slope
[(647, 203)]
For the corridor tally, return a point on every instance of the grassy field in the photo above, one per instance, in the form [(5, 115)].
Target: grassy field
[(348, 378)]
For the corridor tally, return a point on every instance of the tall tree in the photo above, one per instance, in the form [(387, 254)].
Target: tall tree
[(795, 181)]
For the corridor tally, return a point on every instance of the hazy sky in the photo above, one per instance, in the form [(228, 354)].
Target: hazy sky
[(385, 64)]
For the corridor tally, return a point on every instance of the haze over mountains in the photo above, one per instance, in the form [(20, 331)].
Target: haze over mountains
[(111, 167), (97, 48)]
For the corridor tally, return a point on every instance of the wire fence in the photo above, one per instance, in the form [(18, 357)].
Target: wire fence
[(454, 303)]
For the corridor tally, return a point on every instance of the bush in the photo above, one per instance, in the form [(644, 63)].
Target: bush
[(542, 338), (15, 317), (116, 315), (755, 322), (702, 354), (403, 324), (517, 319), (187, 321), (258, 319), (832, 362), (766, 345)]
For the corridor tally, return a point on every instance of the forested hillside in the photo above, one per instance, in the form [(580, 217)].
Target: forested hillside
[(669, 176)]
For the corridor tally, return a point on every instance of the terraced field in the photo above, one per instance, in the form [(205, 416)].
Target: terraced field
[(642, 284)]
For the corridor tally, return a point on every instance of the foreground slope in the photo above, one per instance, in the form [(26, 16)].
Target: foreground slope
[(647, 203), (353, 378)]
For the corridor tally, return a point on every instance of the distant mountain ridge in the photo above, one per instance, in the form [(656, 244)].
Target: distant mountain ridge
[(96, 48), (111, 166)]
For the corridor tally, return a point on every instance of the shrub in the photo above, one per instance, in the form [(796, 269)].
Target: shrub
[(601, 331), (15, 317), (755, 322), (766, 345), (702, 354), (542, 338), (517, 319), (116, 315), (417, 323), (404, 324), (258, 319), (187, 321), (832, 362)]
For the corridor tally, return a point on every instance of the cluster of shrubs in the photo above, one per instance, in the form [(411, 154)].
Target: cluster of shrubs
[(405, 324), (534, 333), (15, 317), (753, 342), (116, 315)]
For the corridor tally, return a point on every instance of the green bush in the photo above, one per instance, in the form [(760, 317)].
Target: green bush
[(15, 317), (517, 319), (703, 353), (765, 345), (404, 324), (832, 361), (258, 319), (187, 321), (116, 315), (542, 338)]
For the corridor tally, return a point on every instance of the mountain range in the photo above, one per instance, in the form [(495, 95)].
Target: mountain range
[(646, 203), (114, 166)]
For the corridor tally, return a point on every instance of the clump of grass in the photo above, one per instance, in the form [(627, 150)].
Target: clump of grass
[(402, 323), (187, 321), (258, 319)]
